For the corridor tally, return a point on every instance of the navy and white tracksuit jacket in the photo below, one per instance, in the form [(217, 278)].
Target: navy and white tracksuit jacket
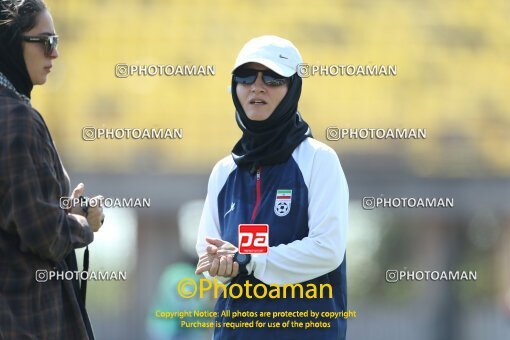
[(307, 243)]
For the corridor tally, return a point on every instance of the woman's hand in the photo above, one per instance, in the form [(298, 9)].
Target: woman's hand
[(77, 192), (218, 260), (95, 215), (94, 212)]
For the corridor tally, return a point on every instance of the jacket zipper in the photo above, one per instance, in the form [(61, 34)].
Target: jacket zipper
[(255, 209), (257, 190)]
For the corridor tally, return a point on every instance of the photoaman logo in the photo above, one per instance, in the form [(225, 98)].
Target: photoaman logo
[(253, 238)]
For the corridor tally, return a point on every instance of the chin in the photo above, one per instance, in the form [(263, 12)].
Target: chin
[(40, 81), (257, 116)]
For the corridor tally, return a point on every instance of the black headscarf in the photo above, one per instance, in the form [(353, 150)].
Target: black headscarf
[(270, 141), (12, 62)]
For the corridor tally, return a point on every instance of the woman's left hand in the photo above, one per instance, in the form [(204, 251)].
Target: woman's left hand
[(218, 260)]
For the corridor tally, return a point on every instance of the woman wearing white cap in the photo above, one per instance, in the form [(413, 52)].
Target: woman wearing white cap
[(280, 176)]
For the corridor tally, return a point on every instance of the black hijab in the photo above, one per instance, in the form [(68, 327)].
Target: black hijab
[(273, 140), (12, 62)]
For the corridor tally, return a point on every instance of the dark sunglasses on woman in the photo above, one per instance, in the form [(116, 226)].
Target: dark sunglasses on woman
[(50, 42), (247, 76)]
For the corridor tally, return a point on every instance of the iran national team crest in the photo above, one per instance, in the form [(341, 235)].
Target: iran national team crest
[(283, 201)]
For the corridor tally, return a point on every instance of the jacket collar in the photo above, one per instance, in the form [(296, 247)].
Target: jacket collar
[(4, 82)]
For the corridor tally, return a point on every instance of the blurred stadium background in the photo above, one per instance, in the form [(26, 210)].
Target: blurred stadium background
[(453, 79)]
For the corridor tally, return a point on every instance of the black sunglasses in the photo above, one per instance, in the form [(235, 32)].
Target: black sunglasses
[(247, 76), (50, 42)]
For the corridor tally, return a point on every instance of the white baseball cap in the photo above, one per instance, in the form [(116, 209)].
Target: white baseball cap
[(277, 54)]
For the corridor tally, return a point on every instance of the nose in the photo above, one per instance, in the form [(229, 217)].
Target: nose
[(54, 54), (258, 84)]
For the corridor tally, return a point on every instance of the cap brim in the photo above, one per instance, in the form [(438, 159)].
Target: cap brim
[(280, 69)]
